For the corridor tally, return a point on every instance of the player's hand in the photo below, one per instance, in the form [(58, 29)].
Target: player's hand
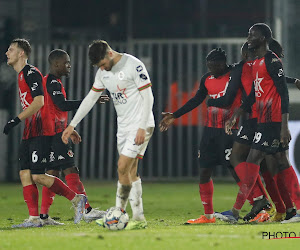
[(140, 136), (167, 121), (297, 83), (75, 137), (10, 124), (285, 136), (229, 124), (66, 134), (103, 99)]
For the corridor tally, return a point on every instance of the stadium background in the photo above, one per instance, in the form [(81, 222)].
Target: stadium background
[(171, 37)]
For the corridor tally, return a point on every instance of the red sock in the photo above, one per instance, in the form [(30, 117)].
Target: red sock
[(206, 191), (284, 193), (31, 197), (74, 183), (62, 189), (273, 192), (248, 173), (47, 199), (289, 177), (250, 196)]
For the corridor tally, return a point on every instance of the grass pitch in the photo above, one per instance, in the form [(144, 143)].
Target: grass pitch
[(167, 207)]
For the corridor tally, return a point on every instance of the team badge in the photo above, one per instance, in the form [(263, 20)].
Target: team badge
[(143, 77), (70, 153)]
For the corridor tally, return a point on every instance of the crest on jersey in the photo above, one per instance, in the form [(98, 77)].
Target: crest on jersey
[(70, 153), (121, 75), (261, 62)]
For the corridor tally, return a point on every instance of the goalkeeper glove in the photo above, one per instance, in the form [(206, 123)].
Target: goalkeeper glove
[(10, 124)]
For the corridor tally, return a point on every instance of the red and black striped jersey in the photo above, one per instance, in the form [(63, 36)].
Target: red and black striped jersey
[(30, 81), (215, 88), (58, 105), (270, 87)]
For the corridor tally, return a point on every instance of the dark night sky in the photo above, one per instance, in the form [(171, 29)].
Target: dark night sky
[(161, 18)]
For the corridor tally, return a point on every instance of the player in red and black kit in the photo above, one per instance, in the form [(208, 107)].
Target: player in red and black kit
[(216, 145), (244, 138), (61, 157), (272, 135), (33, 143)]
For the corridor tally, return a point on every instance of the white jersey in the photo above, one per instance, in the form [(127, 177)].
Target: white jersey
[(124, 82)]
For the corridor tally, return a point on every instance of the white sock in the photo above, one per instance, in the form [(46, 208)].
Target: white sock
[(136, 201), (122, 195)]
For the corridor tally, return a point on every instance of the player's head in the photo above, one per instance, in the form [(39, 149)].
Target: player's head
[(101, 55), (19, 49), (216, 62), (259, 34), (60, 63)]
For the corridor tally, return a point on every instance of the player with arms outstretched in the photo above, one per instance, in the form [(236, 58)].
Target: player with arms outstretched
[(128, 81)]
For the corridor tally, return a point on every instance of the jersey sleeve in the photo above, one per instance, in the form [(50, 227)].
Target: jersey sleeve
[(34, 80), (290, 80), (232, 89), (195, 101), (141, 77), (275, 70), (54, 90), (98, 85)]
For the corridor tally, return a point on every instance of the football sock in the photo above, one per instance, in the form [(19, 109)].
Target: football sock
[(248, 173), (122, 195), (62, 189), (74, 183), (31, 197), (206, 191), (290, 179), (136, 201), (47, 199), (284, 193), (273, 191)]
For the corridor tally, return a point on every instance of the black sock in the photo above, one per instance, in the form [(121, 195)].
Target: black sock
[(89, 209), (44, 216)]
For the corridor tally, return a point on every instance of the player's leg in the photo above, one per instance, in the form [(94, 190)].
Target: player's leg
[(287, 177), (207, 159), (30, 190), (39, 147)]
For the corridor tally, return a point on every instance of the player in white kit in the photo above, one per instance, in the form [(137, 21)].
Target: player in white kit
[(129, 83)]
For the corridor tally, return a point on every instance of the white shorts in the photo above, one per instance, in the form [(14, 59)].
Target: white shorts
[(127, 146)]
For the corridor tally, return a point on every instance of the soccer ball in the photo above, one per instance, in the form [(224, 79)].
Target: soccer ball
[(116, 218)]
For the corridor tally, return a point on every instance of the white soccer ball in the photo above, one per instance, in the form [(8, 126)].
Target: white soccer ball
[(116, 218)]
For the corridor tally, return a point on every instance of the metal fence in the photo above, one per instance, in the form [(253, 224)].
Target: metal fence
[(169, 155)]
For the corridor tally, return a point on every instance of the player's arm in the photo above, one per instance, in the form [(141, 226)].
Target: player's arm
[(231, 91), (147, 95), (54, 90), (275, 70), (291, 80), (84, 108), (169, 118), (35, 83)]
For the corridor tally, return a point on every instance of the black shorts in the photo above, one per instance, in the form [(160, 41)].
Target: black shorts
[(246, 132), (60, 155), (215, 148), (32, 154), (267, 138)]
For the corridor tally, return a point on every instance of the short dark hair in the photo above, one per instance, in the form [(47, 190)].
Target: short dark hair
[(264, 29), (216, 55), (56, 54), (23, 44), (97, 51)]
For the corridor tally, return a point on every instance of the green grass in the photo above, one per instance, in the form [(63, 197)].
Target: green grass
[(167, 207)]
